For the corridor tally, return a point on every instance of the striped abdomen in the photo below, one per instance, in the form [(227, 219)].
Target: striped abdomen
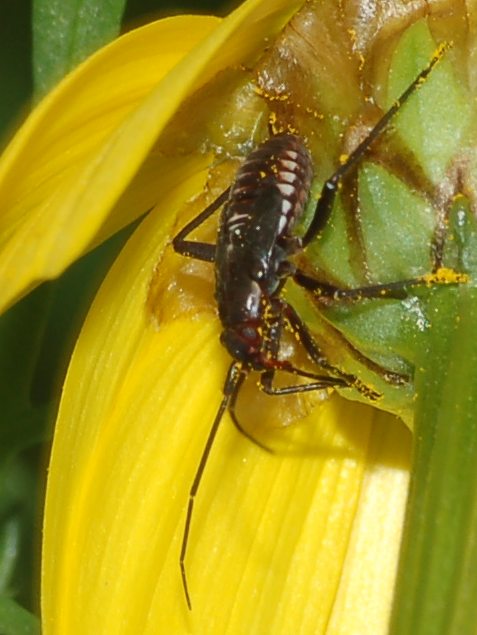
[(255, 236), (272, 185)]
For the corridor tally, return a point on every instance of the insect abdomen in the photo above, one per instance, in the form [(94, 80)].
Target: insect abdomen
[(270, 189), (266, 199)]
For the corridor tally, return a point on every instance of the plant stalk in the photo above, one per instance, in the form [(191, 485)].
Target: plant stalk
[(436, 591)]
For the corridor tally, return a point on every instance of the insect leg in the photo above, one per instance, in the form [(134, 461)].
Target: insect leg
[(271, 337), (313, 350), (393, 290), (321, 382), (272, 341), (192, 248), (232, 383), (331, 186)]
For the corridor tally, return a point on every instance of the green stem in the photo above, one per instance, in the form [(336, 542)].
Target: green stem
[(436, 591)]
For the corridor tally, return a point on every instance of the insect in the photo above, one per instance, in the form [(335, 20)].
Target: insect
[(252, 256)]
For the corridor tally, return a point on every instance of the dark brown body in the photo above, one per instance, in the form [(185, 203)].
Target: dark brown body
[(255, 241)]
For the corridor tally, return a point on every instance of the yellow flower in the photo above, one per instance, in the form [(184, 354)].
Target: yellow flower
[(305, 540)]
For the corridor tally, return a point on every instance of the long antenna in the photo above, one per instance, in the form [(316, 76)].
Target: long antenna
[(231, 383)]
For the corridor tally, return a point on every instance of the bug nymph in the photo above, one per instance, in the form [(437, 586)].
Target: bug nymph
[(256, 240)]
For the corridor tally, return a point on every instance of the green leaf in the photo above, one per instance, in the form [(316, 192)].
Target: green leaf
[(15, 620), (15, 60), (21, 492), (10, 538), (21, 333), (21, 330), (65, 32)]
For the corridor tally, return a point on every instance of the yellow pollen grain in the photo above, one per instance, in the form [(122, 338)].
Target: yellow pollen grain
[(273, 123), (258, 90), (445, 275), (442, 48)]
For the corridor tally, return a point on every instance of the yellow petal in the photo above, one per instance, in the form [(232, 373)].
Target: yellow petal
[(365, 593), (46, 171), (81, 147), (271, 534)]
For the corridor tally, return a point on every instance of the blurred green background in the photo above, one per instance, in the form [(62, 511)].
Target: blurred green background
[(16, 62), (39, 41)]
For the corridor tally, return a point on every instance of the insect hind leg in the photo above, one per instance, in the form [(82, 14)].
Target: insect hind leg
[(330, 188), (321, 382), (399, 290), (193, 248)]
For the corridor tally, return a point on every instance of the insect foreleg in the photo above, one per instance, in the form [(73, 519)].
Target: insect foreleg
[(313, 350), (272, 345), (322, 382)]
